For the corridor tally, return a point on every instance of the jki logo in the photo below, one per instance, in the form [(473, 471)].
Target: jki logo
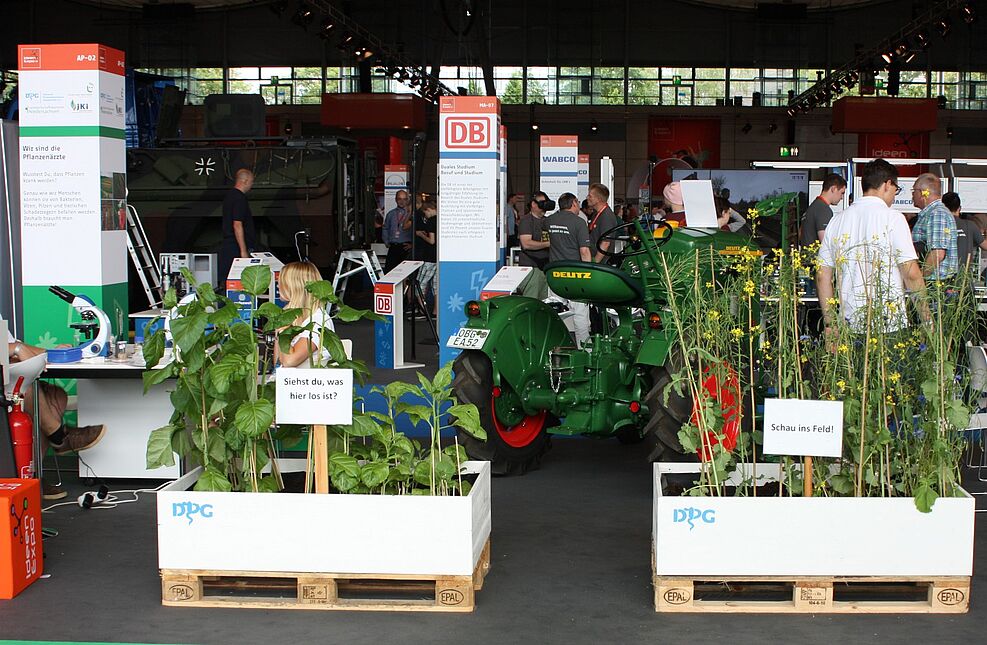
[(693, 515), (189, 510)]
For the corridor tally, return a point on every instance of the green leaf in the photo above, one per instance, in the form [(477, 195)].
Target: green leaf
[(253, 418), (157, 376), (362, 426), (217, 447), (467, 417), (423, 472), (465, 489), (688, 439), (170, 300), (195, 358), (445, 468), (842, 484), (159, 449), (322, 291), (205, 292), (256, 279), (331, 342), (397, 389), (223, 315), (268, 484), (404, 446), (223, 372), (456, 453), (346, 313), (343, 463), (443, 378), (213, 480), (374, 474), (153, 348), (188, 330), (180, 444), (416, 413), (925, 497), (425, 383)]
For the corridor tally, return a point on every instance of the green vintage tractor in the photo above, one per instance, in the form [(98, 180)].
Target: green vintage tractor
[(528, 381)]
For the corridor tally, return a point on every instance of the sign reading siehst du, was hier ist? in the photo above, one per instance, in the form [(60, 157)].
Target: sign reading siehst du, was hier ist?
[(322, 396)]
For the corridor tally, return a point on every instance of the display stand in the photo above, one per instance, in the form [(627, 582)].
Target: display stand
[(389, 302), (353, 262), (506, 282)]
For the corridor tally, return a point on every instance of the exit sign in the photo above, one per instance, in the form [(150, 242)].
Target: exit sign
[(788, 151)]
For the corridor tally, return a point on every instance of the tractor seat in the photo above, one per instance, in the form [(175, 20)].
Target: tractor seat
[(595, 283)]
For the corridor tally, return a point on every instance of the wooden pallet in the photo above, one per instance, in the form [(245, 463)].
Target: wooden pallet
[(813, 595), (280, 590)]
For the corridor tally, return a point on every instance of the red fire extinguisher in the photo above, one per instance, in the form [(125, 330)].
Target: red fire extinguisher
[(22, 434)]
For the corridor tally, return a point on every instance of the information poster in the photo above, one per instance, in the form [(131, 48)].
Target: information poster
[(582, 186), (559, 166), (73, 183), (469, 190), (973, 193), (395, 179), (903, 200)]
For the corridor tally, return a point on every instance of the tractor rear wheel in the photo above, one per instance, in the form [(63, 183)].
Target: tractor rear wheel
[(511, 448), (662, 429)]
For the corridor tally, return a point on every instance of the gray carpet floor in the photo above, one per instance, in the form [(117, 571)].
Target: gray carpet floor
[(571, 564)]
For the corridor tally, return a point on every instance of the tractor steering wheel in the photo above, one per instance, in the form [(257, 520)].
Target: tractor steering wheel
[(631, 239)]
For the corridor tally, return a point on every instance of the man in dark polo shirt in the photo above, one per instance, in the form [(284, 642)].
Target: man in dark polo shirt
[(239, 238), (568, 238), (602, 221), (820, 211)]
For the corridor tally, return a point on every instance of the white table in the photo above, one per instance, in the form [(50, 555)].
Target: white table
[(112, 393)]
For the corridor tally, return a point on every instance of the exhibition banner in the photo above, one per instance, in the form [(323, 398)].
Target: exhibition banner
[(690, 142), (559, 165), (886, 145), (582, 186), (469, 192), (395, 179), (73, 183)]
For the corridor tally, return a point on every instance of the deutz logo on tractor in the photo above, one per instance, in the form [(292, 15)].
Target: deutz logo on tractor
[(578, 275)]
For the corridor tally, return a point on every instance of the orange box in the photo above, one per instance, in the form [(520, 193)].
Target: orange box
[(20, 535)]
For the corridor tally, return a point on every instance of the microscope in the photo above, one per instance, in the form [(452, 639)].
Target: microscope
[(95, 328)]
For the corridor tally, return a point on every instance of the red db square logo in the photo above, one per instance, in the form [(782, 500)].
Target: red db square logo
[(31, 58), (384, 304), (468, 132)]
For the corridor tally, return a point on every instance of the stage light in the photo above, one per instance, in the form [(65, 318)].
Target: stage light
[(943, 26), (279, 6), (594, 126), (968, 13), (888, 57), (909, 56), (772, 127), (923, 39), (303, 15), (791, 111), (325, 30), (747, 128), (534, 126)]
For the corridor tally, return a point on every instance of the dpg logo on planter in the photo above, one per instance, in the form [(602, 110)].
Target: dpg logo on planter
[(693, 515), (189, 510), (469, 132)]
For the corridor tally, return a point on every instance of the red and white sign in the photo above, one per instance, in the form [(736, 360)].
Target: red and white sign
[(470, 133), (384, 299)]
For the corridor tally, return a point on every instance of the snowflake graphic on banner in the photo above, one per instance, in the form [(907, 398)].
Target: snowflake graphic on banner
[(456, 302), (204, 165)]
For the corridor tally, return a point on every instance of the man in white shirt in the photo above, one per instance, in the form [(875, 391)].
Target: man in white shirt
[(868, 249)]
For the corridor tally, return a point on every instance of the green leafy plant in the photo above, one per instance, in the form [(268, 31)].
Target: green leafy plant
[(225, 407), (904, 392)]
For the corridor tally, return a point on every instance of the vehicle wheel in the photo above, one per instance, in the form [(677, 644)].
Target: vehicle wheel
[(629, 435), (663, 427), (514, 445)]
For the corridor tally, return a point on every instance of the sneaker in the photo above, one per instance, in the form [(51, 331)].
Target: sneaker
[(77, 439), (51, 491)]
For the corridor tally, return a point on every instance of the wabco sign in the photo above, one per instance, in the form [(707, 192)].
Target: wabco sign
[(468, 132)]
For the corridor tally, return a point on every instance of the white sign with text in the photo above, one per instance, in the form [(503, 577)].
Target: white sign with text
[(314, 396), (803, 427)]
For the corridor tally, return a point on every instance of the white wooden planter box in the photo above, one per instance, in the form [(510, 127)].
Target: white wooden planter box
[(296, 532), (819, 536)]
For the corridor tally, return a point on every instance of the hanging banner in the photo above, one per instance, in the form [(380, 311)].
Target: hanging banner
[(682, 143), (582, 186), (73, 183), (885, 145), (469, 190), (559, 166), (395, 179)]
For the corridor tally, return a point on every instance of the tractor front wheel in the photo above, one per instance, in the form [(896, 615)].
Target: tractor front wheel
[(514, 445)]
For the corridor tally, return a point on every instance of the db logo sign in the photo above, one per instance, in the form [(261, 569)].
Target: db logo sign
[(468, 132), (384, 304)]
